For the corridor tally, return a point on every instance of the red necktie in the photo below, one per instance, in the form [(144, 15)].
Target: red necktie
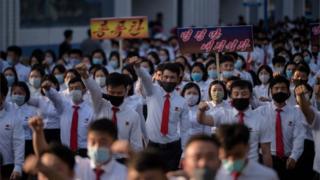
[(98, 172), (114, 115), (235, 175), (165, 115), (279, 137), (74, 129), (241, 117)]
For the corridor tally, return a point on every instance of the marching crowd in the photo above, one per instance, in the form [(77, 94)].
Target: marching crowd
[(147, 111)]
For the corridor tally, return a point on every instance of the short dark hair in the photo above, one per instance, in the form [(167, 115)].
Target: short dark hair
[(202, 137), (24, 86), (75, 51), (303, 68), (279, 79), (172, 67), (63, 153), (39, 68), (191, 85), (230, 135), (104, 126), (76, 79), (278, 59), (15, 49), (67, 33), (3, 86), (60, 68), (226, 58), (223, 87), (116, 79), (148, 159), (241, 84), (159, 67), (73, 71)]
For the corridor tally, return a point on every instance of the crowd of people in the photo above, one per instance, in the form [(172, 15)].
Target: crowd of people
[(147, 111)]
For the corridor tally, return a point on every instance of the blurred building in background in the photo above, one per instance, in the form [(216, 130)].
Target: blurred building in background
[(40, 23)]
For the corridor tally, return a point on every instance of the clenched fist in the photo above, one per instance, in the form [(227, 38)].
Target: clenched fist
[(82, 70), (203, 106)]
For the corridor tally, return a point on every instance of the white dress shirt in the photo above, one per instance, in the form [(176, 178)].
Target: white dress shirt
[(65, 109), (261, 91), (135, 102), (293, 131), (113, 170), (12, 137), (22, 72), (252, 171), (203, 85), (34, 92), (258, 126), (315, 126), (23, 114), (178, 114), (195, 126), (128, 120), (51, 118)]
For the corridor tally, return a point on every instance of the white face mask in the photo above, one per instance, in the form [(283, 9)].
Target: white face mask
[(99, 155), (101, 81), (264, 78), (76, 95), (191, 99)]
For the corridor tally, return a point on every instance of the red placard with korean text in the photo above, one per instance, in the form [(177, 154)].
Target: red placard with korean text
[(119, 28), (215, 39)]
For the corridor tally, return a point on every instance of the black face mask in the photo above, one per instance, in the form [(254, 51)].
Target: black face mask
[(280, 97), (168, 86), (114, 100), (241, 104), (299, 81)]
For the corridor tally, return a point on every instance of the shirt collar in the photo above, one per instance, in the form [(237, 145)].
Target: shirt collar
[(107, 168), (274, 107)]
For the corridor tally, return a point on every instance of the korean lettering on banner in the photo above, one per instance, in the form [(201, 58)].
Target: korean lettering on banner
[(215, 39), (122, 28), (315, 34)]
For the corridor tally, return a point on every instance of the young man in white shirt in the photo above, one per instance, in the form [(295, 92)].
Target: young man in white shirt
[(168, 118), (13, 59), (75, 115), (126, 120), (288, 132), (201, 158), (313, 120), (233, 152), (100, 165), (260, 135), (11, 135)]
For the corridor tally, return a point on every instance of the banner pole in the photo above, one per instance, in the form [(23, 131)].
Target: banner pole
[(218, 65), (120, 53)]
